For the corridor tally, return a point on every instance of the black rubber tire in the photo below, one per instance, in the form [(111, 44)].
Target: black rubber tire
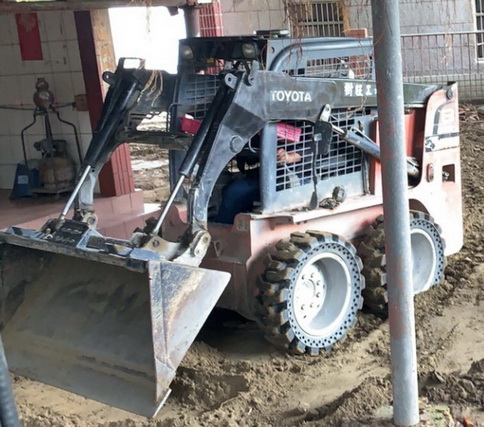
[(372, 253), (278, 317)]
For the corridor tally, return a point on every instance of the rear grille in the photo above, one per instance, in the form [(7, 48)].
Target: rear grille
[(199, 93)]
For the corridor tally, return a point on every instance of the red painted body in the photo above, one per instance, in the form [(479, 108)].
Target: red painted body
[(241, 248)]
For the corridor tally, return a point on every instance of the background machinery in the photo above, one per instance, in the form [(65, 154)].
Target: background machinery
[(112, 319)]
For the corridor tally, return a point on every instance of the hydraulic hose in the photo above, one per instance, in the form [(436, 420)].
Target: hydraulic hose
[(8, 409)]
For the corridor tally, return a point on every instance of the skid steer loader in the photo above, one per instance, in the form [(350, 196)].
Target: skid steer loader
[(283, 134)]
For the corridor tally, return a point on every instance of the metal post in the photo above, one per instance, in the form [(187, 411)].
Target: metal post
[(192, 20), (388, 61), (8, 409)]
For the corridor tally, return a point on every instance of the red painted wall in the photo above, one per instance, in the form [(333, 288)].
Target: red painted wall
[(116, 177)]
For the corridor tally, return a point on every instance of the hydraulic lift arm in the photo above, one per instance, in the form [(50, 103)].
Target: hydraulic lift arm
[(245, 102)]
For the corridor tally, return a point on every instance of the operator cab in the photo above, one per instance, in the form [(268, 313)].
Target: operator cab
[(276, 170), (261, 171)]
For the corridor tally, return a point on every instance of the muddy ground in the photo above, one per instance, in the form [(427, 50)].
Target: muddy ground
[(232, 377), (150, 167)]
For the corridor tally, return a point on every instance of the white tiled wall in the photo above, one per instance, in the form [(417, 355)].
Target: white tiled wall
[(61, 67), (242, 17)]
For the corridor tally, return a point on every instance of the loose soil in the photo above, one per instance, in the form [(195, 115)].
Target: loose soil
[(150, 167), (232, 377)]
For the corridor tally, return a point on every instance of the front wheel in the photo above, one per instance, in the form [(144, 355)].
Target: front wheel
[(310, 292)]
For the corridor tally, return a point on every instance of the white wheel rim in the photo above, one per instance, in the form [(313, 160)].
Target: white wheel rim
[(424, 260), (322, 294)]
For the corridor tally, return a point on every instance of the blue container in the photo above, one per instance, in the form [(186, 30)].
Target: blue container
[(25, 179)]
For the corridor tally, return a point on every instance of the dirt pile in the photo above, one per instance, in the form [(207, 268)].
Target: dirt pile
[(467, 388), (203, 381), (353, 405)]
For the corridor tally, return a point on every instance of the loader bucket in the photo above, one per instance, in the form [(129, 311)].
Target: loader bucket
[(110, 329)]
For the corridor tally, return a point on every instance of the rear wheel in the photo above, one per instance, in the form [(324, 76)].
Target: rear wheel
[(310, 292), (428, 259)]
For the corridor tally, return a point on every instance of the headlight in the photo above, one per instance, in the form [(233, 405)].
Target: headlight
[(249, 51), (186, 52)]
